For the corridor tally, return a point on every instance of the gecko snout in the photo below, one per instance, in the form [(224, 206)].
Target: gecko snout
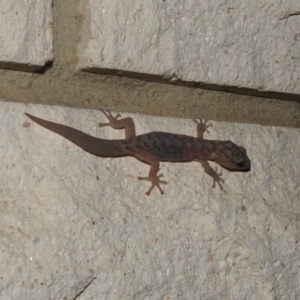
[(241, 164)]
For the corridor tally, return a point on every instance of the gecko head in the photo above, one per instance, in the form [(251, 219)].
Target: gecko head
[(231, 156)]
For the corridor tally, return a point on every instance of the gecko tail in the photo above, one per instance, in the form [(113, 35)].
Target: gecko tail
[(93, 145)]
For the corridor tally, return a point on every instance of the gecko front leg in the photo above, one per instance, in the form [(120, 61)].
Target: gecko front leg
[(211, 172), (201, 127)]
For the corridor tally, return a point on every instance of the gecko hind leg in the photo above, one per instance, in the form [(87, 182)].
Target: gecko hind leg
[(153, 177), (155, 182), (113, 121)]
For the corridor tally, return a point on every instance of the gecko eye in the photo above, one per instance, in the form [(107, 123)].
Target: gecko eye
[(241, 164)]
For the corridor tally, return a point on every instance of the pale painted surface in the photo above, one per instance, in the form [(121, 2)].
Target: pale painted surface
[(26, 32), (252, 44), (72, 222)]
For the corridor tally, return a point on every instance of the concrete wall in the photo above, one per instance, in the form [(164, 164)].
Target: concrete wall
[(75, 226)]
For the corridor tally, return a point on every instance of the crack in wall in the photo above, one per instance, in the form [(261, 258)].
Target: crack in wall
[(85, 288), (297, 13)]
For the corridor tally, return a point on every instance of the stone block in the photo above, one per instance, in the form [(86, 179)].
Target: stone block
[(242, 44), (25, 34)]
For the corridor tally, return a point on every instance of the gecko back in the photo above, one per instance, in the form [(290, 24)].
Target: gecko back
[(171, 147)]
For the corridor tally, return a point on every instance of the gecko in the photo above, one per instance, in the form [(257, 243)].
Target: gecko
[(155, 147)]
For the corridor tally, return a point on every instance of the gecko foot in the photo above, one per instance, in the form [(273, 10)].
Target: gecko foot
[(155, 181), (111, 119), (202, 125), (217, 179)]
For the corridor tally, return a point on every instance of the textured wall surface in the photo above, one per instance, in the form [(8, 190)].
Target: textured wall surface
[(238, 44), (75, 225), (25, 33), (251, 44)]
